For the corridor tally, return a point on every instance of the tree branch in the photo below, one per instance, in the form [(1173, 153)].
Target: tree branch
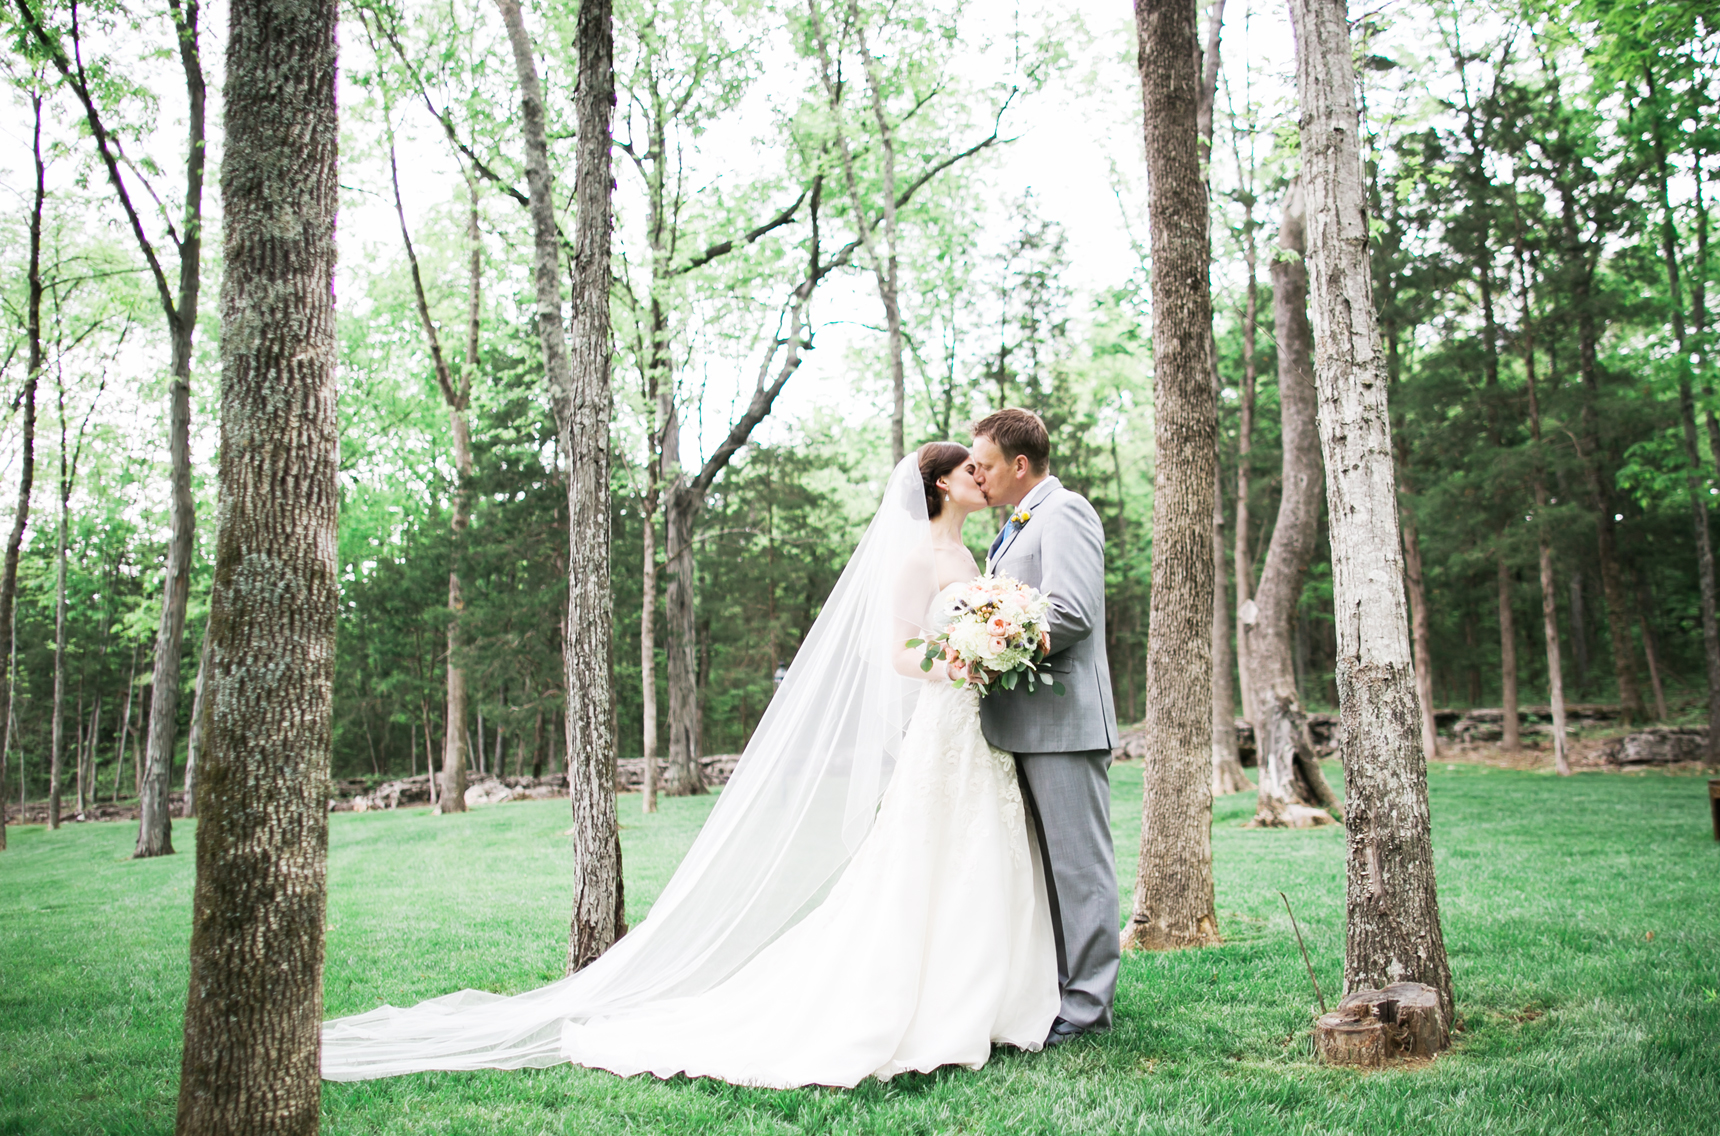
[(75, 80), (723, 248)]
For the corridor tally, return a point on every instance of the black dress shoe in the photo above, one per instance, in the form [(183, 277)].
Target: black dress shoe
[(1062, 1031)]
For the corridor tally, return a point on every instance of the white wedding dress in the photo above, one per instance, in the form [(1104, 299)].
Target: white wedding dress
[(864, 899), (934, 945)]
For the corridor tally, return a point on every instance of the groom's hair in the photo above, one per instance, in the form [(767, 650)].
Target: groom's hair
[(1017, 432)]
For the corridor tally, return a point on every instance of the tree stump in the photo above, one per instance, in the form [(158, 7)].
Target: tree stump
[(1373, 1027)]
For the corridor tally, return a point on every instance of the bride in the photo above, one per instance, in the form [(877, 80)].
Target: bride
[(862, 900)]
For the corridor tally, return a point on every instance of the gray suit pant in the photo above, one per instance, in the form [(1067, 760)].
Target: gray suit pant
[(1068, 796)]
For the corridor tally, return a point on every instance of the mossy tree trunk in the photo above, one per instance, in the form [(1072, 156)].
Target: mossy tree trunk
[(253, 1017)]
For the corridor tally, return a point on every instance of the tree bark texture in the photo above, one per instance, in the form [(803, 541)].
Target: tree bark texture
[(597, 919), (1173, 902), (27, 446), (1392, 906), (253, 1017), (1293, 792)]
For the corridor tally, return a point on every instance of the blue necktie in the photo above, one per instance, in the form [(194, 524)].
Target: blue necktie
[(1009, 526)]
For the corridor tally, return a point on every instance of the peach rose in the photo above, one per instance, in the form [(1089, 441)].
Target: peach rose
[(998, 645), (1045, 641)]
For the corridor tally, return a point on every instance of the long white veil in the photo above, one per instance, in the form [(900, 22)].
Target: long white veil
[(801, 799)]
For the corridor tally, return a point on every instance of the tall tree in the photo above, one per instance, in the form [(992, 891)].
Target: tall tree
[(1227, 775), (579, 397), (1242, 556), (26, 441), (457, 396), (1392, 930), (1173, 903), (253, 1017), (1543, 530), (180, 309), (1293, 792), (598, 909)]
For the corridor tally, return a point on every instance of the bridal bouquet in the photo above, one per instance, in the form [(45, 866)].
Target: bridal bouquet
[(994, 638)]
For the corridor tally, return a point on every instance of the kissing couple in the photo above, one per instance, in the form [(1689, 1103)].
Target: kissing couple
[(900, 874)]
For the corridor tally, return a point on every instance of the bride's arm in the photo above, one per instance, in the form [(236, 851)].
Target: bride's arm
[(916, 588), (907, 659)]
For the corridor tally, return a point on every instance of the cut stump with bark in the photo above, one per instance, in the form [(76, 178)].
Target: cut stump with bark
[(1373, 1027)]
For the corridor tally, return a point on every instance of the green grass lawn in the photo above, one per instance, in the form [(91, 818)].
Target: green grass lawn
[(1573, 1018)]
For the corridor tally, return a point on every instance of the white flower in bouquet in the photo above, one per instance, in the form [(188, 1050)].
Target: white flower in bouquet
[(995, 636)]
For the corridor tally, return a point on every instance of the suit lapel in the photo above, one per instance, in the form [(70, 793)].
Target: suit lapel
[(1039, 494)]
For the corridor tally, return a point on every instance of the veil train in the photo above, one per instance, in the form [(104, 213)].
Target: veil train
[(800, 801)]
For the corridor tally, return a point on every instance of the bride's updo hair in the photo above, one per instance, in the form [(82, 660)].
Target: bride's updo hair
[(937, 459)]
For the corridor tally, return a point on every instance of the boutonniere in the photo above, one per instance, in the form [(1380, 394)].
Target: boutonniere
[(1022, 517)]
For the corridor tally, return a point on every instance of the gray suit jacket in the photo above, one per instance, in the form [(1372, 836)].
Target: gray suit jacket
[(1060, 551)]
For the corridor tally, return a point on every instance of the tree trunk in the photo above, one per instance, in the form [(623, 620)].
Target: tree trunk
[(124, 724), (155, 824), (1511, 739), (889, 286), (1579, 637), (1419, 635), (1650, 649), (194, 734), (27, 442), (1549, 584), (579, 396), (56, 751), (1293, 792), (1227, 775), (684, 775), (1173, 902), (453, 795), (1244, 447), (1392, 908), (648, 660), (253, 1017), (598, 911)]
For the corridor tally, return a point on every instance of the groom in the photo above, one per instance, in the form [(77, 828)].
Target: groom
[(1062, 745)]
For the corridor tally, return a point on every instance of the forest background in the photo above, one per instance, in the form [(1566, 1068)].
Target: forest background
[(1539, 200)]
